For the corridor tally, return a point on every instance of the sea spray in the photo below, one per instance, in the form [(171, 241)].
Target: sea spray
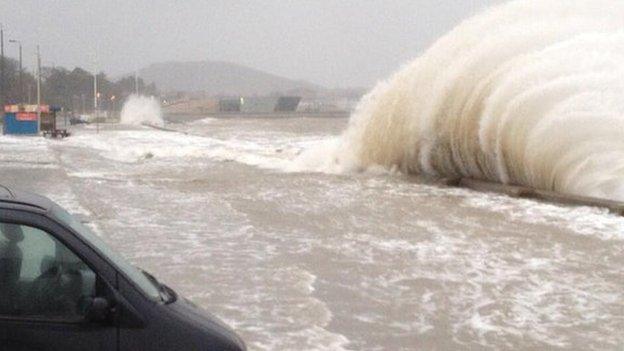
[(139, 109), (530, 92)]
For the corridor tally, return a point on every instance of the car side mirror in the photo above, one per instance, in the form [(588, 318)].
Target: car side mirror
[(99, 310)]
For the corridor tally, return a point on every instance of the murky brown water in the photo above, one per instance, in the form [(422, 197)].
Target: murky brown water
[(313, 261)]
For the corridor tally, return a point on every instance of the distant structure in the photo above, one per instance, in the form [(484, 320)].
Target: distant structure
[(22, 119), (287, 103), (269, 104), (230, 105), (241, 105), (328, 104)]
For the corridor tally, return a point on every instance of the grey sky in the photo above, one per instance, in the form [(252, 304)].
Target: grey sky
[(336, 43)]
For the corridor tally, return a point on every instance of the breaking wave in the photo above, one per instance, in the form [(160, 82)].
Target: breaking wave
[(140, 109), (530, 92)]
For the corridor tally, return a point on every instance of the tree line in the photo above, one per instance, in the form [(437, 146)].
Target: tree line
[(69, 89)]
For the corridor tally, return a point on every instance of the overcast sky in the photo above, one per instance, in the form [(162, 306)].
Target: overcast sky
[(335, 43)]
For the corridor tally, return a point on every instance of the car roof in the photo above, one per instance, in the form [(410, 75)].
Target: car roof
[(11, 198)]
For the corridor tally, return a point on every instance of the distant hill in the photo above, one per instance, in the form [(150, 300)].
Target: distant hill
[(219, 78)]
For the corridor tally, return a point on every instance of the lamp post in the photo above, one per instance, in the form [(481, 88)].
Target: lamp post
[(2, 88), (96, 95), (112, 99), (39, 91), (21, 80), (136, 83)]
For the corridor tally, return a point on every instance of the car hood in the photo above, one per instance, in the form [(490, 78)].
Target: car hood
[(207, 321)]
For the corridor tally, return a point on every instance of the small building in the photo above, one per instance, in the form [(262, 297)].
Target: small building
[(259, 104), (22, 119), (287, 103), (230, 105), (199, 106)]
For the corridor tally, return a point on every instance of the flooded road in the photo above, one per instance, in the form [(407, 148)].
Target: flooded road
[(299, 260)]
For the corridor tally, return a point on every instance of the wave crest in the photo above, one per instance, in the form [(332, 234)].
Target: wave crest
[(530, 92)]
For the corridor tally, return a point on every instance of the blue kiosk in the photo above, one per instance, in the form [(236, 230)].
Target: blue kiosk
[(22, 119)]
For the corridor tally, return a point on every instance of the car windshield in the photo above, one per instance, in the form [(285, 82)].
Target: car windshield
[(148, 286)]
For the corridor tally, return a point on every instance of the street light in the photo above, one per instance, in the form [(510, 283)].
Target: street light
[(112, 108), (2, 84), (21, 79)]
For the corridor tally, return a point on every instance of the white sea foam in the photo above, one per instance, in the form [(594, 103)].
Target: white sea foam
[(530, 92), (130, 146), (207, 120), (139, 109)]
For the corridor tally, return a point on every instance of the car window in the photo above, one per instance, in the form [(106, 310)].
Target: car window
[(140, 280), (40, 277)]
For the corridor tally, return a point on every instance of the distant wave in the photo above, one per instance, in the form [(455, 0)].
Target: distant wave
[(529, 92), (139, 109)]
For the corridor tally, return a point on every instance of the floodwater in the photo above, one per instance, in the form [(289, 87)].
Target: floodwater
[(314, 261)]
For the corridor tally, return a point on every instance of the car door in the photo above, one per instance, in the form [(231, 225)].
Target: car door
[(46, 286)]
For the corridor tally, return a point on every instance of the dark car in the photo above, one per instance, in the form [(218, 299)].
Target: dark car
[(77, 119), (62, 288)]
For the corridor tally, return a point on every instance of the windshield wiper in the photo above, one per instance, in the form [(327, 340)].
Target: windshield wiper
[(167, 294)]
